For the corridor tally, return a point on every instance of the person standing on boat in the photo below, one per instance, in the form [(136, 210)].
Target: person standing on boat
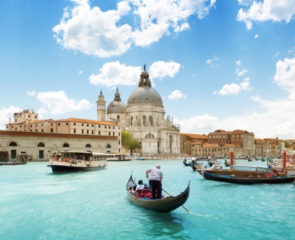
[(155, 177)]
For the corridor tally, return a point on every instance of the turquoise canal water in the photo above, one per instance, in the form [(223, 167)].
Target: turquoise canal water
[(36, 204)]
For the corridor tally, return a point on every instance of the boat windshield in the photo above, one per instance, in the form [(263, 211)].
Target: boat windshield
[(78, 155), (254, 169)]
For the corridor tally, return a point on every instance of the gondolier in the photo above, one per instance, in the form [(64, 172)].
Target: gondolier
[(155, 177)]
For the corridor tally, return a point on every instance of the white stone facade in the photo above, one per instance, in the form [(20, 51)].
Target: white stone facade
[(144, 117)]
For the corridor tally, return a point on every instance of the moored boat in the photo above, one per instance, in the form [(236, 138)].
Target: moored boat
[(248, 180), (73, 161), (166, 204), (248, 175)]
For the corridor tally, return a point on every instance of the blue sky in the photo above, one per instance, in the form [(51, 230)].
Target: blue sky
[(217, 64)]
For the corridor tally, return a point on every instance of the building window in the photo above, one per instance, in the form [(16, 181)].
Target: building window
[(109, 133), (13, 153), (82, 131), (82, 124), (88, 145), (74, 130), (67, 124), (87, 125), (74, 124), (41, 154), (92, 132), (87, 131), (66, 145), (41, 144), (51, 130), (108, 146), (58, 124), (98, 132), (13, 144)]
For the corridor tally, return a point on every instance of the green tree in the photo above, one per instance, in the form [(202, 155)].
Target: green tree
[(287, 144), (129, 142)]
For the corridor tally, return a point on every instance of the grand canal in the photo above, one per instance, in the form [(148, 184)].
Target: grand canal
[(36, 204)]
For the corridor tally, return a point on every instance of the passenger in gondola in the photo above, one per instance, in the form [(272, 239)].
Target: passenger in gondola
[(140, 186), (155, 177)]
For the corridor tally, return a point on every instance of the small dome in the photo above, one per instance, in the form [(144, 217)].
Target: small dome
[(116, 106), (145, 95)]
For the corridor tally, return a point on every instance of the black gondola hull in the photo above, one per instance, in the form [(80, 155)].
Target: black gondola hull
[(65, 169), (159, 205), (226, 178)]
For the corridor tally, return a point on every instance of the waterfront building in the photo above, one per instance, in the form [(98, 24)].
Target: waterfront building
[(269, 147), (218, 144), (242, 140), (190, 143), (26, 135), (144, 117)]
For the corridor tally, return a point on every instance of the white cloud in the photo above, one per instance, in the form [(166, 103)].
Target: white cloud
[(213, 62), (31, 93), (256, 36), (234, 88), (161, 69), (114, 74), (285, 74), (59, 103), (241, 72), (6, 113), (273, 10), (176, 94), (103, 33), (41, 112), (275, 120)]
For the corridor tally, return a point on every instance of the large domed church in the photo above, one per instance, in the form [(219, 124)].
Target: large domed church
[(144, 117)]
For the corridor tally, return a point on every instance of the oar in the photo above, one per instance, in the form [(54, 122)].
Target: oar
[(181, 205)]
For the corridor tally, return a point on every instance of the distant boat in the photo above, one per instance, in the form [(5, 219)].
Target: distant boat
[(6, 163), (187, 164), (166, 204), (247, 180), (248, 175), (73, 161), (140, 158)]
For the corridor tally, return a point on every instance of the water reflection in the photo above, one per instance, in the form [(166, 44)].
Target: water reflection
[(164, 226)]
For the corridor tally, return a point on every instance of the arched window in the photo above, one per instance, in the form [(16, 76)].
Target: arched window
[(108, 146), (144, 122), (149, 135), (66, 145), (12, 144), (88, 145), (41, 144), (151, 122)]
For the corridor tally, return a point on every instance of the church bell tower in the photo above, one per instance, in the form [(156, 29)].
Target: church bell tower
[(101, 108)]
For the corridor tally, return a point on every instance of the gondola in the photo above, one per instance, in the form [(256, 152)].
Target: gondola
[(187, 164), (244, 180), (166, 204)]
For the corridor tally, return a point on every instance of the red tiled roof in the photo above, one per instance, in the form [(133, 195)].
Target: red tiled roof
[(54, 135), (193, 135)]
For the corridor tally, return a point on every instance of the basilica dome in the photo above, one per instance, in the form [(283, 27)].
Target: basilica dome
[(145, 94), (116, 106)]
